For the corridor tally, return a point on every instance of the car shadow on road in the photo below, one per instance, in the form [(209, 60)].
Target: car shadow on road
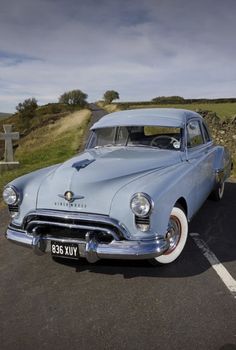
[(215, 222)]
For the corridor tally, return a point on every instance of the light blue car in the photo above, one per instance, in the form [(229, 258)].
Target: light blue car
[(129, 195)]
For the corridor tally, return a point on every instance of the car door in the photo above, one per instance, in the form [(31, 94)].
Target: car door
[(200, 158), (210, 155)]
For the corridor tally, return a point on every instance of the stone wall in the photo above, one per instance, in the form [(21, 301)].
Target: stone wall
[(223, 131)]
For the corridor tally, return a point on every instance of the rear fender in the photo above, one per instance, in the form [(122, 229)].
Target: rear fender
[(222, 164)]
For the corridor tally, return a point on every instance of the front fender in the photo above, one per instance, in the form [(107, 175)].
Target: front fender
[(165, 187), (28, 186)]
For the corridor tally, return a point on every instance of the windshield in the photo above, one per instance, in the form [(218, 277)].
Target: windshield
[(137, 136)]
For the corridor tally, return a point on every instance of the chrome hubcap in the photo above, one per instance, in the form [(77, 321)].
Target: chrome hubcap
[(173, 234)]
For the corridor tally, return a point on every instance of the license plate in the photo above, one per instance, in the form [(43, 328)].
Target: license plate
[(66, 250)]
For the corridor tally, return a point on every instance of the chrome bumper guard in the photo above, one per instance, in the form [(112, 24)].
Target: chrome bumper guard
[(90, 248)]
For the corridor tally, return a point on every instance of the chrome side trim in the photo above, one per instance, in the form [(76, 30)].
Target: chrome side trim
[(93, 250)]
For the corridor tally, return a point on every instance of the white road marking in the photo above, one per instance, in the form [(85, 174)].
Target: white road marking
[(221, 271)]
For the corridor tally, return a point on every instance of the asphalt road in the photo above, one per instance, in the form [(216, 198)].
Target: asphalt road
[(46, 304)]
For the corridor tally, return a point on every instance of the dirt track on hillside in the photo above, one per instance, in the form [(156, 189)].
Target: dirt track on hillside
[(72, 120)]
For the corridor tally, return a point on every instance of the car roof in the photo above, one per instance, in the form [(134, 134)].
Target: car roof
[(172, 117)]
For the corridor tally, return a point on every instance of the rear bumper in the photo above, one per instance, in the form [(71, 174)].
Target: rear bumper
[(91, 249)]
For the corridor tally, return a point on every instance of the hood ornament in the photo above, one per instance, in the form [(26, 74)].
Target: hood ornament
[(82, 163), (70, 197)]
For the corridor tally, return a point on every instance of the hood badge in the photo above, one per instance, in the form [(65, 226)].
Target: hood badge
[(82, 164), (70, 197)]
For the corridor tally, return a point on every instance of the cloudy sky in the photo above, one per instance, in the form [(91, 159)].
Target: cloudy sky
[(142, 49)]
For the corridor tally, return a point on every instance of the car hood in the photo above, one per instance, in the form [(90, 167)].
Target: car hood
[(96, 175)]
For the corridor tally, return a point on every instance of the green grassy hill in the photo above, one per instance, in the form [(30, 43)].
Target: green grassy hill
[(227, 109), (223, 110), (51, 138), (4, 115)]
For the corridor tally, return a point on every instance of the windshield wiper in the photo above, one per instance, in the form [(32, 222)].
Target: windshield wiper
[(109, 145), (146, 146)]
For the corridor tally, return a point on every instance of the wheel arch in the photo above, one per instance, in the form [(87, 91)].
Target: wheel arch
[(183, 203)]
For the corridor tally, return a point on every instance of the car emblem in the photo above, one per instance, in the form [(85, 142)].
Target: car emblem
[(70, 197)]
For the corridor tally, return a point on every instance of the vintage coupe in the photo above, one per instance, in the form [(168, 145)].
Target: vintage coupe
[(142, 176)]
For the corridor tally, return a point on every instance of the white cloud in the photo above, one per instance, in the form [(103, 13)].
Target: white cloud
[(142, 49)]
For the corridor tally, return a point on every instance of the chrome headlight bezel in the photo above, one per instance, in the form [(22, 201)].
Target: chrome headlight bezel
[(138, 197), (11, 195)]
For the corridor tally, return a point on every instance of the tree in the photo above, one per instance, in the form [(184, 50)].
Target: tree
[(26, 111), (110, 95), (74, 98), (168, 99)]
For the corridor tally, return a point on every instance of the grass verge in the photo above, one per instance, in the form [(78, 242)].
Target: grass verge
[(48, 145)]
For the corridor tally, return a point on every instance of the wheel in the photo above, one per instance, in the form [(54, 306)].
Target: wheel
[(218, 192), (177, 236)]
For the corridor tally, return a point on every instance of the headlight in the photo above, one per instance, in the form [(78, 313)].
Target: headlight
[(10, 196), (141, 204)]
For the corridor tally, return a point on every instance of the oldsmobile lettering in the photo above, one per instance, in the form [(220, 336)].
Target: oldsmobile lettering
[(72, 205)]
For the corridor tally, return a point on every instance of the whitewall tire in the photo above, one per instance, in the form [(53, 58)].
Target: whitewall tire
[(177, 235)]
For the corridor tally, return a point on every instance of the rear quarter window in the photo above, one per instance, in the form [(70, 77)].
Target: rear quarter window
[(194, 134), (206, 133)]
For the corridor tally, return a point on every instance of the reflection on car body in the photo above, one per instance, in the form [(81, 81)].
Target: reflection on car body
[(131, 193)]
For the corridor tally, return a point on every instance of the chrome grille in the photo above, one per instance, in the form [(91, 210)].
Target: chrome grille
[(142, 221), (73, 225), (142, 224), (14, 208)]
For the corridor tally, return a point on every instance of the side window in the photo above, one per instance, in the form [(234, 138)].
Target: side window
[(194, 134), (122, 134), (91, 143), (206, 133), (105, 136)]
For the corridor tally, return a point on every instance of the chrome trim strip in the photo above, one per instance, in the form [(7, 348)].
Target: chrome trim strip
[(92, 250), (75, 216), (64, 239), (19, 237), (36, 223), (132, 250)]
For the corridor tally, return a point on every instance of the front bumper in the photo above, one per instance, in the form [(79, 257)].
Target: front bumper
[(91, 249)]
